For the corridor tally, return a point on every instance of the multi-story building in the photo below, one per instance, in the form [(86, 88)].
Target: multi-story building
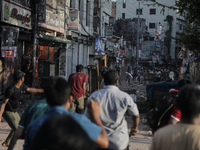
[(155, 16), (83, 50)]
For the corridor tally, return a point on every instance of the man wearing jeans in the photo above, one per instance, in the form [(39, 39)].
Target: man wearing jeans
[(114, 105), (78, 82), (10, 103)]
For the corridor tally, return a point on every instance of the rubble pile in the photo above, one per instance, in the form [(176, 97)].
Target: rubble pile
[(140, 91)]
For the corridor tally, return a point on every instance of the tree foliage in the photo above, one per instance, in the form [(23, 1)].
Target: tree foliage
[(191, 35)]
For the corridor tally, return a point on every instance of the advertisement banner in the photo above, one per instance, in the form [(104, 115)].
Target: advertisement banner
[(110, 45), (9, 41), (110, 32), (158, 33), (98, 46), (181, 53), (73, 19), (16, 14)]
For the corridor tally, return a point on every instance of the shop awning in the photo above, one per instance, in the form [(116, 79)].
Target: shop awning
[(55, 39)]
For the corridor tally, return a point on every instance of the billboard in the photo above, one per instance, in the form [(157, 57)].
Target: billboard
[(9, 41), (16, 14), (73, 19), (42, 11)]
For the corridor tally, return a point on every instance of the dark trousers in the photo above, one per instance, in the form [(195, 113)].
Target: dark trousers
[(12, 119), (111, 149)]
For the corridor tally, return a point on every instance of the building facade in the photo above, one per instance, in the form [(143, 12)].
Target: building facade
[(155, 16)]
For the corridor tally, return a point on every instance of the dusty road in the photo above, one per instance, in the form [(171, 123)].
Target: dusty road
[(139, 142)]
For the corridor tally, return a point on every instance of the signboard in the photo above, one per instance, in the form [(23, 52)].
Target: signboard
[(52, 19), (62, 21), (16, 14), (73, 19), (110, 45), (42, 11), (110, 32), (53, 22), (9, 41)]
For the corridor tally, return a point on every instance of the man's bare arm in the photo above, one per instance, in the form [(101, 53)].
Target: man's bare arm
[(84, 89), (34, 90), (134, 129), (3, 107), (94, 111)]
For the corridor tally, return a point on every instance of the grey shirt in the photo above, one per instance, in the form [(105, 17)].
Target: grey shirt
[(114, 105)]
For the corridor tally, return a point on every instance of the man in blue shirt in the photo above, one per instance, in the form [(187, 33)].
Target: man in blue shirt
[(58, 96)]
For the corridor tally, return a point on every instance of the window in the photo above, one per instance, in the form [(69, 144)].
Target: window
[(124, 3), (152, 11), (152, 25), (180, 27), (123, 15), (137, 11)]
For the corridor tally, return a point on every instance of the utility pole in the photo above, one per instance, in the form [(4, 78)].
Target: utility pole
[(34, 45), (138, 31)]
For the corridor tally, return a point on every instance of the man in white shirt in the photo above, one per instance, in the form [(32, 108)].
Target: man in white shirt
[(114, 105)]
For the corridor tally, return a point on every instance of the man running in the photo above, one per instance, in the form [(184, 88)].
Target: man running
[(78, 82), (10, 103)]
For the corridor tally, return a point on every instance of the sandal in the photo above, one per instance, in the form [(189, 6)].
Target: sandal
[(5, 144)]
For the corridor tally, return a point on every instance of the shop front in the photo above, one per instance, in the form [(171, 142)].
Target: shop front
[(15, 30)]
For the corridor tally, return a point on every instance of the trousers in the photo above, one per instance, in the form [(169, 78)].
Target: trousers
[(12, 119), (78, 105)]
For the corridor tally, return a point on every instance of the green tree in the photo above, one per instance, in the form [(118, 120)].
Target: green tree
[(191, 35)]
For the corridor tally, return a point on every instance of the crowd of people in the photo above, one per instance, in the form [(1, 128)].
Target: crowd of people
[(161, 73), (60, 121)]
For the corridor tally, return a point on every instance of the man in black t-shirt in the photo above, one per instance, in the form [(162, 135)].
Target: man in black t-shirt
[(10, 103)]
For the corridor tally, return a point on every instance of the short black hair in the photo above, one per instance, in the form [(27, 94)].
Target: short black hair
[(79, 68), (111, 77), (189, 101), (18, 75), (61, 132), (57, 91), (182, 82)]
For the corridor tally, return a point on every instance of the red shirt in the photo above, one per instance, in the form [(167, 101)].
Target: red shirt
[(76, 80)]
